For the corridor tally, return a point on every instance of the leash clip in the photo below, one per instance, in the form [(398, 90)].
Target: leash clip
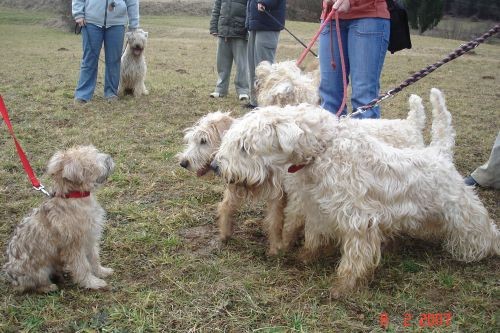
[(41, 188)]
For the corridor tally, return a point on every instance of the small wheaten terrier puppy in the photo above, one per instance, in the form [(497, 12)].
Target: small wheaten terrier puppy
[(284, 83), (355, 190), (63, 234), (204, 138), (133, 67)]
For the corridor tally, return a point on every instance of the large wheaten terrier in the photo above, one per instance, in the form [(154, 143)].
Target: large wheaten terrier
[(356, 190), (133, 67), (63, 234), (204, 138), (284, 83)]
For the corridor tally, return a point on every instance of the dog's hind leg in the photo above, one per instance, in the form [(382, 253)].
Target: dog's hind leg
[(274, 223), (416, 116), (225, 211), (471, 235)]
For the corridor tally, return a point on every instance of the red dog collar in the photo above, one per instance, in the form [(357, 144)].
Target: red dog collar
[(76, 195)]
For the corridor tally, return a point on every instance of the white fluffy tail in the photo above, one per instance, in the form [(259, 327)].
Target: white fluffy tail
[(416, 116), (443, 133)]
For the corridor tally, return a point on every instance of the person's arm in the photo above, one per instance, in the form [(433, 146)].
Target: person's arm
[(78, 9), (133, 14), (214, 20)]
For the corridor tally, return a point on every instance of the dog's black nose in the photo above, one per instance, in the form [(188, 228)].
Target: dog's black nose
[(184, 163), (215, 167)]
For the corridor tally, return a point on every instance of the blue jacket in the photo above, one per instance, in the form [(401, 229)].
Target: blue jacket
[(97, 12), (261, 21)]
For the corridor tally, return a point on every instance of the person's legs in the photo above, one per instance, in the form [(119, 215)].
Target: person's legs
[(251, 62), (368, 39), (264, 46), (239, 47), (113, 45), (92, 37), (331, 87), (224, 64), (488, 175)]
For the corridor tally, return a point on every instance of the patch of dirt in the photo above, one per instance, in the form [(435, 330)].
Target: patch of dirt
[(201, 240)]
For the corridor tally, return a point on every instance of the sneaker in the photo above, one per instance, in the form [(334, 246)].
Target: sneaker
[(216, 95), (243, 97), (469, 181)]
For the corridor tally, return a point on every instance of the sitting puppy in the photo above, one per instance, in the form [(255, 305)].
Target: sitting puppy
[(133, 67), (283, 83), (63, 234), (354, 190)]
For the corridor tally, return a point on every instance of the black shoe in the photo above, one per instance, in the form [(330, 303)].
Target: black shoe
[(469, 181), (250, 106)]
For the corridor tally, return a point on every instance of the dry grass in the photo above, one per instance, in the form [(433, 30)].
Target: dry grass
[(171, 275)]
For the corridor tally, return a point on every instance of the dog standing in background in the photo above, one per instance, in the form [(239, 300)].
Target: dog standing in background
[(63, 234), (133, 67)]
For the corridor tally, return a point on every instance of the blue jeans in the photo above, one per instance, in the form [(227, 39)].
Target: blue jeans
[(365, 44), (93, 38)]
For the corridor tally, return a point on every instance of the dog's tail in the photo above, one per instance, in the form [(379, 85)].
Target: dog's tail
[(443, 133), (416, 116)]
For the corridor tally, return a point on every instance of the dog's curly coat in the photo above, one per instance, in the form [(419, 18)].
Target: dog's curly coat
[(63, 234), (357, 190), (204, 138)]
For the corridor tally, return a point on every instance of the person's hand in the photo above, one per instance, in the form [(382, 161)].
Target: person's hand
[(80, 21), (261, 7), (342, 6)]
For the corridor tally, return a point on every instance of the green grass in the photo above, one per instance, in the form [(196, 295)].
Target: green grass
[(171, 275)]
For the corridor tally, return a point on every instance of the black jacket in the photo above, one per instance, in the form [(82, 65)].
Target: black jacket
[(228, 18), (261, 21)]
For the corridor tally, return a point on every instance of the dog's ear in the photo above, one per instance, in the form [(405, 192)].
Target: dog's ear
[(288, 134), (128, 34), (73, 171), (55, 164), (223, 125)]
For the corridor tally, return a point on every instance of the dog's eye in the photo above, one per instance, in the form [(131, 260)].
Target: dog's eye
[(203, 141)]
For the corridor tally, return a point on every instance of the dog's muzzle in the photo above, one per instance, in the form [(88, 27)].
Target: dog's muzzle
[(215, 168)]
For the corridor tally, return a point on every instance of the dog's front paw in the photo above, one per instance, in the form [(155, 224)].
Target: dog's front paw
[(95, 283), (104, 272), (146, 92)]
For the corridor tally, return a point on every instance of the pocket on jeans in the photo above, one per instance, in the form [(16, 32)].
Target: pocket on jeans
[(326, 29)]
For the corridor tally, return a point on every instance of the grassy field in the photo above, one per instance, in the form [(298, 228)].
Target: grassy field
[(171, 274)]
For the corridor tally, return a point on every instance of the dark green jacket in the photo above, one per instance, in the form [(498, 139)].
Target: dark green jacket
[(228, 18)]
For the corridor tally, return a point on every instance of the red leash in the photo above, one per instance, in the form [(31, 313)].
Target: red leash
[(24, 160), (327, 20)]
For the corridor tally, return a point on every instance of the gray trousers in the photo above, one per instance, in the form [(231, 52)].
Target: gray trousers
[(262, 46), (488, 175), (229, 50)]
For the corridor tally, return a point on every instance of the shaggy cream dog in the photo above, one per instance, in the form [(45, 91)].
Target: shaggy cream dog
[(63, 234), (355, 190), (284, 83), (204, 138), (133, 67)]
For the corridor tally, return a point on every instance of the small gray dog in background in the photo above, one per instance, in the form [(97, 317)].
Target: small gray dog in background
[(133, 67), (62, 236)]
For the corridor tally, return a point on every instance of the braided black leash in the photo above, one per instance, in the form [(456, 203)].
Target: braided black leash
[(429, 69)]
